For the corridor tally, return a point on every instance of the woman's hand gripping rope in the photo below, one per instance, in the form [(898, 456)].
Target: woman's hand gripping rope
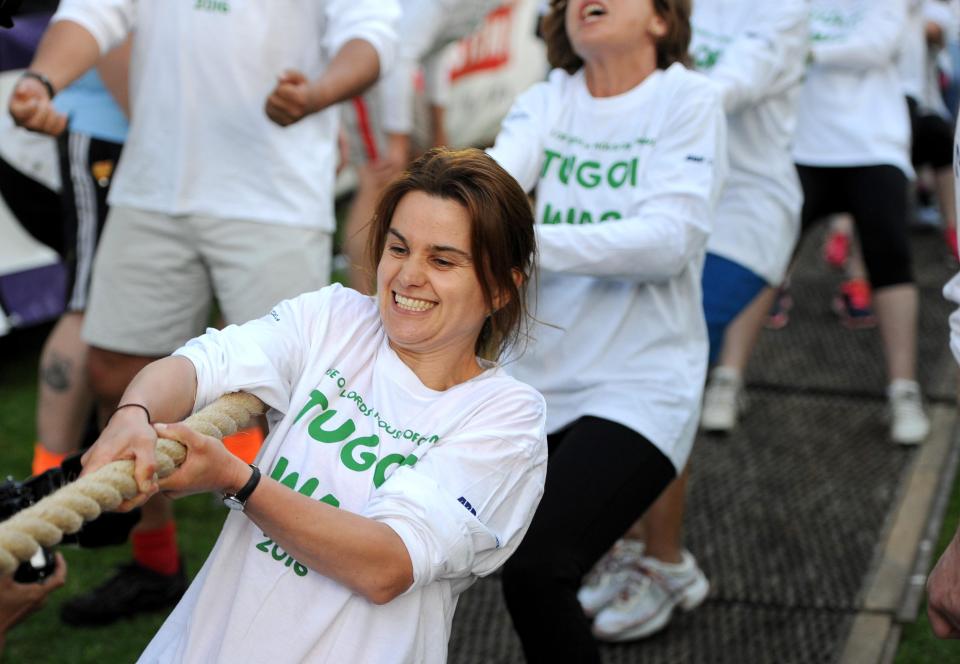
[(112, 485)]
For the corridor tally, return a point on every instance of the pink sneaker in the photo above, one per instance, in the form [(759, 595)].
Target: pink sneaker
[(854, 306)]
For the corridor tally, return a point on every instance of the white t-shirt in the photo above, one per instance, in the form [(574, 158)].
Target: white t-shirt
[(918, 62), (913, 53), (755, 52), (626, 189), (200, 74), (851, 110), (457, 474), (427, 27)]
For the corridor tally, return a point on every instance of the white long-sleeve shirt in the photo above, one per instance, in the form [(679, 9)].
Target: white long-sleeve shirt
[(626, 188), (200, 74), (427, 27), (456, 474), (918, 62), (755, 51), (851, 110)]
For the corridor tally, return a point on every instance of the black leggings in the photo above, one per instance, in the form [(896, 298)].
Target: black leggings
[(876, 196), (932, 138), (601, 477)]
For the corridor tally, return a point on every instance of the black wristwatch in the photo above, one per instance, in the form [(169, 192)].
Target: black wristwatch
[(238, 500)]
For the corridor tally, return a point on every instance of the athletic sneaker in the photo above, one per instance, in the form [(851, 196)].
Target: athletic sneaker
[(646, 604), (908, 423), (854, 306), (722, 400), (609, 575), (836, 250), (133, 589)]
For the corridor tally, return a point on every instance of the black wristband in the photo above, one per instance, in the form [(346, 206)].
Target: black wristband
[(37, 76), (131, 405)]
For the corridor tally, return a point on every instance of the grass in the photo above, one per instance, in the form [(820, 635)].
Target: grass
[(42, 637), (917, 643)]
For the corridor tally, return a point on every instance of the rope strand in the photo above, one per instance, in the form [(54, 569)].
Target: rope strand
[(65, 511)]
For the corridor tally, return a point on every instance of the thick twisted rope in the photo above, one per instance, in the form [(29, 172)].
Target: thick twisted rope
[(66, 510)]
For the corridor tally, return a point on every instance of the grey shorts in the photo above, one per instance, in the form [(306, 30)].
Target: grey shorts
[(155, 276)]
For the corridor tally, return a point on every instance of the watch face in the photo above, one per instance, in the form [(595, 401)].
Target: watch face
[(233, 503)]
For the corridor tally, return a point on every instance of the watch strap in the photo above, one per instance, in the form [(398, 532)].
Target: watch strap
[(243, 494)]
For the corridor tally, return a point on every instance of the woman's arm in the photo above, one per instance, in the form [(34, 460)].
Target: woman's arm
[(519, 144), (167, 389), (873, 43), (264, 357), (771, 47), (657, 242), (459, 510), (366, 556)]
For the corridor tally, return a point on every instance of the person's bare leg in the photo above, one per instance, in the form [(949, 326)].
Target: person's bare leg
[(438, 118), (373, 178), (946, 199), (155, 513), (663, 522), (65, 398), (896, 308), (109, 374), (741, 335), (357, 229)]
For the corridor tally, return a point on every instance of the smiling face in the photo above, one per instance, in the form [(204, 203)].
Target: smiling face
[(600, 27), (430, 299)]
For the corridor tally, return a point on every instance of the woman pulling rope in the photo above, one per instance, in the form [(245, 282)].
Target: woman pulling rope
[(402, 462)]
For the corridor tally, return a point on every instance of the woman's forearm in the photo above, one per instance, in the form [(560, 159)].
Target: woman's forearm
[(366, 556), (167, 388)]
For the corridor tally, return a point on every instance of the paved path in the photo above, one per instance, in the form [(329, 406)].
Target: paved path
[(806, 519)]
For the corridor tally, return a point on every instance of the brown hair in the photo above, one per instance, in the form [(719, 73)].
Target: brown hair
[(501, 235), (672, 47)]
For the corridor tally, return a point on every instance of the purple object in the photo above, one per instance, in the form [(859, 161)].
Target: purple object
[(34, 296), (18, 44)]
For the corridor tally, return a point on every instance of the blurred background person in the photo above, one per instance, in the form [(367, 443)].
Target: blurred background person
[(626, 149), (754, 52), (852, 149)]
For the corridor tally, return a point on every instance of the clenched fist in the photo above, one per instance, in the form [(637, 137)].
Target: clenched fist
[(32, 108)]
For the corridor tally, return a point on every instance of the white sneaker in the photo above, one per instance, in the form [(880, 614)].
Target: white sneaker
[(908, 423), (609, 576), (652, 592), (722, 400)]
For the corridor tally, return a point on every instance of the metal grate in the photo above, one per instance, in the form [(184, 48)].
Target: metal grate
[(785, 515)]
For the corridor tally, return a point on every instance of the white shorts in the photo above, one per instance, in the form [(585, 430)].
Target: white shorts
[(155, 276)]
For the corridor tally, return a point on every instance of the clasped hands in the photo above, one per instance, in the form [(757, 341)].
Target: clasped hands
[(208, 467)]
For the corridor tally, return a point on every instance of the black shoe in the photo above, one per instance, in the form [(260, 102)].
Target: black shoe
[(133, 589)]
